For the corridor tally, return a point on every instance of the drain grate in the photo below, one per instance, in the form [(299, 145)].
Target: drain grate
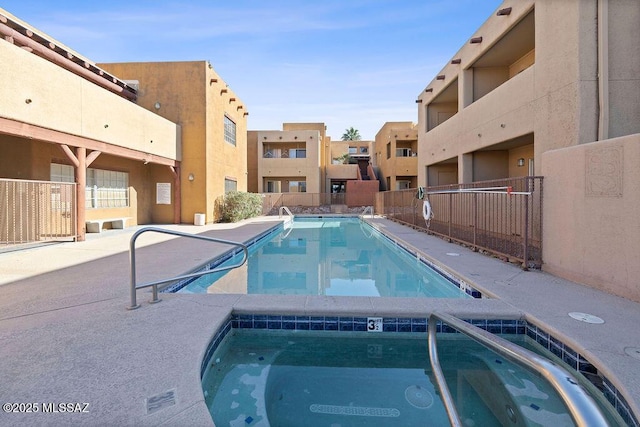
[(354, 410), (585, 317), (418, 397)]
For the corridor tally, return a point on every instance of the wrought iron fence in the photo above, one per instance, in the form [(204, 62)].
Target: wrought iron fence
[(503, 217), (35, 211)]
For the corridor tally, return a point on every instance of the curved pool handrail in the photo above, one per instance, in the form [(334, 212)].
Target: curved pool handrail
[(583, 409), (154, 284), (441, 382)]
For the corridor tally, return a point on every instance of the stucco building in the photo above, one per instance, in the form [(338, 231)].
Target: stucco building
[(286, 161), (157, 146), (550, 89), (79, 124), (396, 155), (301, 158), (213, 123)]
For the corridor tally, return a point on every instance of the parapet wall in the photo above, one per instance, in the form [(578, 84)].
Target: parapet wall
[(361, 193), (591, 225)]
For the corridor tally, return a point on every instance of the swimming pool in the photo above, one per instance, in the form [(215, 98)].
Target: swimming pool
[(292, 378), (340, 256)]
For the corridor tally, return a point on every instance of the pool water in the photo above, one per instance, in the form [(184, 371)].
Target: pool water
[(329, 256), (262, 378)]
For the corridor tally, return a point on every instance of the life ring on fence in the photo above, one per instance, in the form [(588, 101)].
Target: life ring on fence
[(427, 213), (420, 193)]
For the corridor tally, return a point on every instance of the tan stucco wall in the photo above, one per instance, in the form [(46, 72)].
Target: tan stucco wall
[(61, 101), (27, 159), (591, 229), (624, 63), (288, 169), (342, 172), (393, 167), (325, 141), (560, 96), (224, 160), (481, 123), (337, 149), (194, 96), (252, 161)]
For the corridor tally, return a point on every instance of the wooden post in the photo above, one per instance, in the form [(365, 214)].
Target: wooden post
[(81, 184), (177, 194)]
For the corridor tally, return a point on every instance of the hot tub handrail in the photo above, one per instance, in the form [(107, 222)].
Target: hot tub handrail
[(154, 284), (582, 407), (441, 382)]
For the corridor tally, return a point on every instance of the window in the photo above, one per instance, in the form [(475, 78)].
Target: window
[(403, 152), (298, 186), (298, 153), (230, 184), (273, 186), (229, 131), (403, 185), (62, 173), (61, 195), (388, 150), (107, 189), (353, 150), (364, 150), (270, 152)]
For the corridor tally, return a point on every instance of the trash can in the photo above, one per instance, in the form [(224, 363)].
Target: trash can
[(198, 219)]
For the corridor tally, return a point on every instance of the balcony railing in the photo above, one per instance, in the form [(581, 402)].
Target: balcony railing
[(505, 221)]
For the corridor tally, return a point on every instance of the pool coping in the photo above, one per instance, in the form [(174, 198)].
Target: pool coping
[(69, 310)]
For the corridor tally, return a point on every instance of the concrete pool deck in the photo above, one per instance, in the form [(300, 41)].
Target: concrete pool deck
[(67, 337)]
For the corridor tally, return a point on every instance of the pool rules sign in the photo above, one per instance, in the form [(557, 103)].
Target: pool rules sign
[(163, 193), (374, 324)]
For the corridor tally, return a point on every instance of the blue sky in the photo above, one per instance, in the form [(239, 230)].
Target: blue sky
[(346, 63)]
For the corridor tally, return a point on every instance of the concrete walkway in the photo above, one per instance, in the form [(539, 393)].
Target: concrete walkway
[(66, 336)]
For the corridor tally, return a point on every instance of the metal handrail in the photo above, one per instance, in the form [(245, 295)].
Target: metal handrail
[(154, 284), (445, 394), (582, 407), (285, 209), (367, 209)]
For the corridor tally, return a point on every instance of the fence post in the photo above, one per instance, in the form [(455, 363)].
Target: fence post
[(525, 251), (475, 220), (450, 213)]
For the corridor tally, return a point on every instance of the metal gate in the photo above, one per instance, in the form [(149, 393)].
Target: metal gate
[(36, 211)]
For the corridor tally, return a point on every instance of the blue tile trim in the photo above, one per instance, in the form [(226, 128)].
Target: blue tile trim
[(467, 288), (572, 359), (579, 363), (215, 262), (215, 342)]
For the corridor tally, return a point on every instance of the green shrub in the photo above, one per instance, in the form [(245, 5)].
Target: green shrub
[(237, 205)]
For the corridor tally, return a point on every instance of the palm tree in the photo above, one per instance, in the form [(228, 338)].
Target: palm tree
[(351, 134)]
